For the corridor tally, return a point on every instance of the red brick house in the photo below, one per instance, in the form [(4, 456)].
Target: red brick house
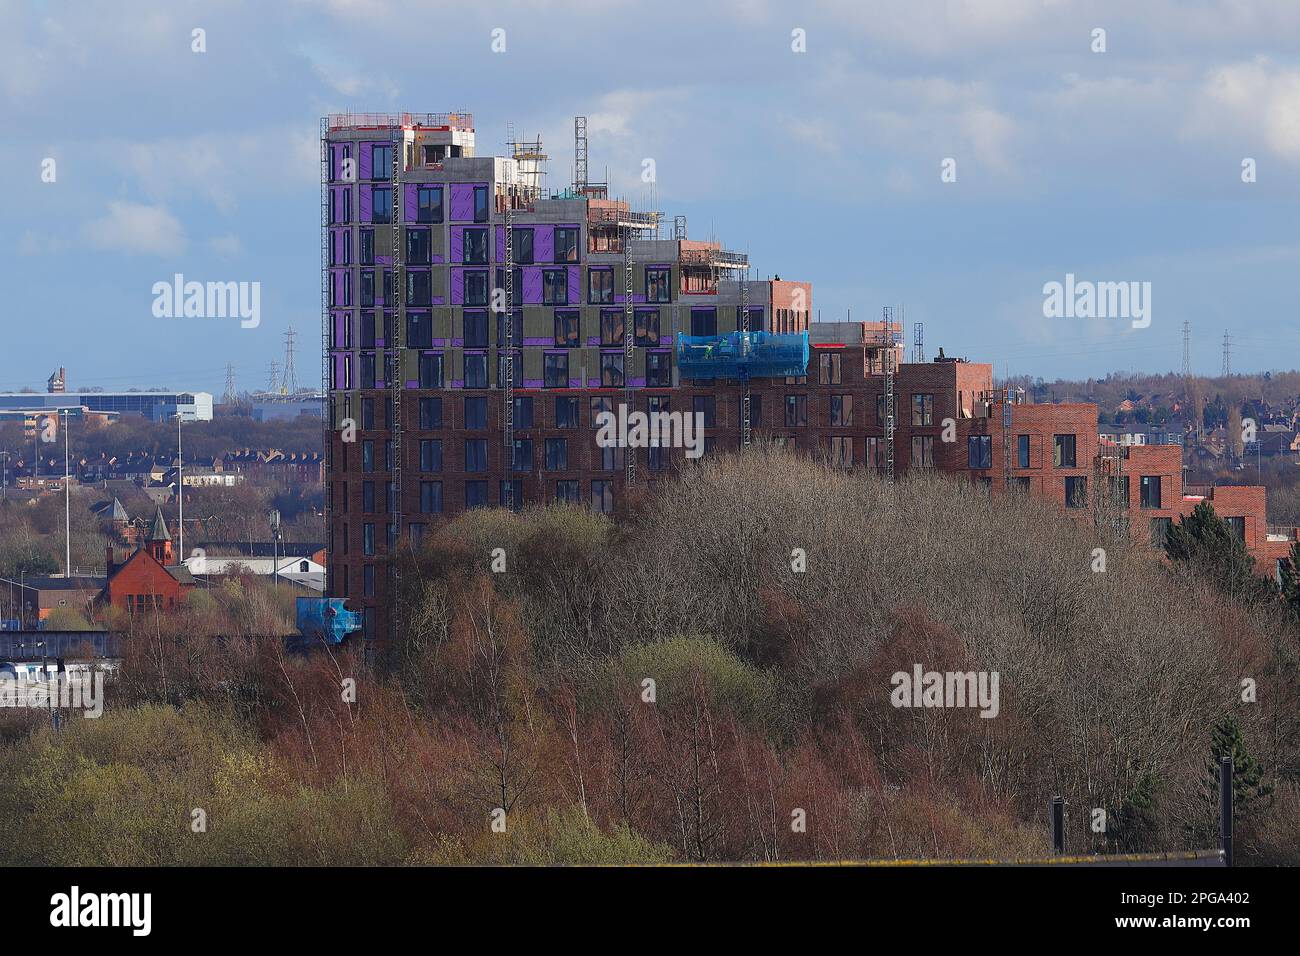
[(149, 579)]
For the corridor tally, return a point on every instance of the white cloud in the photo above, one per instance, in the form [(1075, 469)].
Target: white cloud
[(1256, 102), (136, 228), (228, 246)]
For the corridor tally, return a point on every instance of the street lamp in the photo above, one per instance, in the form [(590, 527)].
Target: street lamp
[(275, 547), (67, 500), (180, 492)]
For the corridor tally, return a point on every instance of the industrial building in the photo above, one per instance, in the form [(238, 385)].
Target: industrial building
[(428, 247), (156, 406)]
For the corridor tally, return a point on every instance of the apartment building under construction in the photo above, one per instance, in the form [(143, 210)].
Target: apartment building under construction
[(476, 322)]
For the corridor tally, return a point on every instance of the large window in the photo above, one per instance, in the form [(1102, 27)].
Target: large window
[(611, 327), (1063, 449), (431, 377), (568, 491), (1149, 490), (428, 206), (647, 327), (521, 246), (600, 286), (1076, 492), (566, 244), (704, 321), (474, 249), (923, 409), (1238, 527), (602, 496), (476, 413), (516, 329), (842, 451), (430, 454), (841, 410), (476, 371), (476, 494), (555, 370), (381, 204), (476, 287), (567, 334), (828, 368), (657, 288), (611, 369), (524, 411), (381, 162), (707, 406), (658, 370), (476, 330), (566, 413), (430, 497), (419, 287), (922, 451), (796, 411), (1160, 531), (979, 451), (480, 204), (475, 454), (521, 458), (1022, 451), (557, 454), (555, 287), (431, 409), (417, 246)]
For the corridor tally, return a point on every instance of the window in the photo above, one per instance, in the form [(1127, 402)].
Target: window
[(555, 287), (368, 497), (1160, 531), (657, 288), (602, 496), (430, 497), (475, 454), (600, 286), (566, 244), (704, 321), (367, 413), (704, 405), (419, 330), (428, 204), (524, 412), (431, 377), (431, 408), (874, 452), (796, 411), (521, 246), (555, 370), (566, 330), (611, 327), (476, 371), (979, 451), (557, 454), (430, 454), (381, 204), (828, 368), (1149, 491), (521, 458), (566, 413), (476, 287), (923, 451), (381, 162), (599, 405), (416, 531), (611, 458), (476, 494), (368, 455), (880, 410), (841, 451), (1238, 527), (1022, 451), (656, 458), (841, 410), (476, 330), (480, 204), (367, 247), (611, 369), (368, 539), (368, 580), (658, 370), (647, 327), (923, 409), (567, 491), (417, 246), (368, 290), (1118, 487), (474, 248), (1063, 451), (1076, 492), (419, 287), (476, 413)]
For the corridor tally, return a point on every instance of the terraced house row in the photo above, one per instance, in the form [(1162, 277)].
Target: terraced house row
[(468, 371)]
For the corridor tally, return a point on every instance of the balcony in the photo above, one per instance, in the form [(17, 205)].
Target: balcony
[(742, 355)]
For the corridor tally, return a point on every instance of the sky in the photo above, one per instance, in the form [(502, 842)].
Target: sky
[(815, 137)]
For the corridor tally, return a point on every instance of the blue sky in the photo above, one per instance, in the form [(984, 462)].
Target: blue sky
[(824, 165)]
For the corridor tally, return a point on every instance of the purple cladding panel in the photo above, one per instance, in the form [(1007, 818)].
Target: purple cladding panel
[(532, 285), (528, 340), (533, 383), (363, 160), (457, 243), (501, 243), (544, 244), (462, 202), (457, 383), (340, 326), (384, 260), (638, 382), (412, 383), (437, 300), (575, 383), (575, 284), (408, 203), (364, 211), (457, 285)]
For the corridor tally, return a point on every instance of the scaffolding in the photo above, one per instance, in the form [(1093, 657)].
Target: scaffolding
[(888, 357), (745, 424), (508, 369), (629, 349), (327, 407)]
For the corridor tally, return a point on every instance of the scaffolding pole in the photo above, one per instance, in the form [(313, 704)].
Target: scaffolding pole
[(394, 343), (629, 349), (327, 407)]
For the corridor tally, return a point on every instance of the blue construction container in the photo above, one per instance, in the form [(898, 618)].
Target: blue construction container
[(742, 355), (326, 619)]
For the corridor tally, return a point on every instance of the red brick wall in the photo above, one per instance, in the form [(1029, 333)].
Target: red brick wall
[(141, 574)]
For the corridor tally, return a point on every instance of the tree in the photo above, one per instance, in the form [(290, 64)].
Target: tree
[(1207, 545), (1249, 788)]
